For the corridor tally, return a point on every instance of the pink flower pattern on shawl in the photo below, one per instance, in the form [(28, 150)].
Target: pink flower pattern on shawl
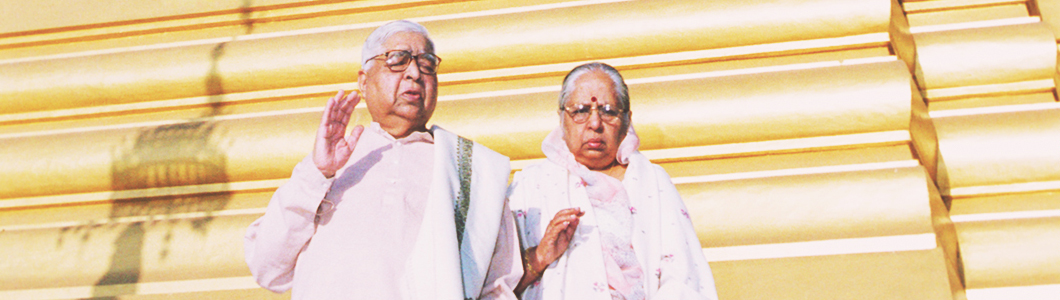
[(612, 208)]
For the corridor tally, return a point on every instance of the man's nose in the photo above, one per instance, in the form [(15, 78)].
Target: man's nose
[(413, 70)]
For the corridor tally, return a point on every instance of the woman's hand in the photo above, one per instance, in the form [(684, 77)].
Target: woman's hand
[(557, 237), (553, 244)]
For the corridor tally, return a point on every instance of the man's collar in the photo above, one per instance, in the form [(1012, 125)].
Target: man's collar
[(424, 136)]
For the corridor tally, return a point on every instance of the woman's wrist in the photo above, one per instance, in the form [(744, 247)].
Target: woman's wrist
[(531, 270), (532, 265)]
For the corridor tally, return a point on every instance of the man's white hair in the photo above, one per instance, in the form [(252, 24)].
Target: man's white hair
[(373, 45)]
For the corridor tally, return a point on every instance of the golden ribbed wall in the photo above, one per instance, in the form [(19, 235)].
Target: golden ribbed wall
[(826, 149)]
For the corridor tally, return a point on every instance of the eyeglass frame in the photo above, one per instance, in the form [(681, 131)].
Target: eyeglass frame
[(570, 110), (405, 66)]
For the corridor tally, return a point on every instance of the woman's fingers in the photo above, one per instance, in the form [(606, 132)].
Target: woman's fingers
[(551, 232), (566, 215), (568, 233), (564, 220), (560, 230)]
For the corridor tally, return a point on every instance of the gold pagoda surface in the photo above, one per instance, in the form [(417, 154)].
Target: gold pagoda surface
[(826, 149)]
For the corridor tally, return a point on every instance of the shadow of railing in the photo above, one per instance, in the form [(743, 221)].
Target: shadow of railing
[(178, 155)]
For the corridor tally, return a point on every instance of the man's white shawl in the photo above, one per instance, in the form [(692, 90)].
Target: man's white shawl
[(437, 269)]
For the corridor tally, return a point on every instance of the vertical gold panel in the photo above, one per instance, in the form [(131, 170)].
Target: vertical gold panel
[(162, 249), (973, 14), (913, 275), (981, 56), (156, 156), (1049, 10), (1010, 252), (26, 15), (810, 207), (999, 148)]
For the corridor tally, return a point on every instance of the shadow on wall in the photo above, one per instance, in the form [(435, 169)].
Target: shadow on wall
[(184, 154)]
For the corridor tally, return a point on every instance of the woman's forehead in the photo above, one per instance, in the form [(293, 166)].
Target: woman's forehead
[(599, 97), (593, 85)]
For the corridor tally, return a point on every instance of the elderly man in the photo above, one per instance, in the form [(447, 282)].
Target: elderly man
[(392, 211)]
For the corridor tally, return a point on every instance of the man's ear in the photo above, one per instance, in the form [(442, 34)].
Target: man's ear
[(361, 77)]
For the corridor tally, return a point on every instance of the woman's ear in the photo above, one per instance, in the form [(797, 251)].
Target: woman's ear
[(629, 120)]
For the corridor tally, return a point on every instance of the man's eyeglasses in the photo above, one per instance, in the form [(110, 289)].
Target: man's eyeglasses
[(398, 61), (581, 112)]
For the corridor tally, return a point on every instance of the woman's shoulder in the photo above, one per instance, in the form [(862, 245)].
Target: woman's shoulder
[(540, 169), (643, 163), (531, 185), (533, 176)]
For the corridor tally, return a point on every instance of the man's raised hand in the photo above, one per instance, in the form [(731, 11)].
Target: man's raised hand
[(332, 148)]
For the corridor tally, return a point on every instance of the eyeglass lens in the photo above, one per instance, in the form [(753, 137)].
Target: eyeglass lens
[(398, 61), (581, 112)]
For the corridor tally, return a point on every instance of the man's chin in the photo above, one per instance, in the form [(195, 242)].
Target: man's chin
[(415, 118)]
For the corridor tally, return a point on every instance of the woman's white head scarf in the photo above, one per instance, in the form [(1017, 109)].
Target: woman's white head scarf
[(611, 206)]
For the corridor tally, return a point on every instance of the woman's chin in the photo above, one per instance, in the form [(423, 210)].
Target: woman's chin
[(593, 157)]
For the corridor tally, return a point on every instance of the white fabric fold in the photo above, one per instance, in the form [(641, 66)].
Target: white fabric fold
[(457, 270), (663, 239), (613, 211)]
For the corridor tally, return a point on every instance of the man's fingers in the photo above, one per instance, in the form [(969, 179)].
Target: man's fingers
[(353, 97), (326, 118), (348, 104), (355, 134)]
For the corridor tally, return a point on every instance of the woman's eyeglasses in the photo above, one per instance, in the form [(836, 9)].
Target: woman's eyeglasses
[(581, 112)]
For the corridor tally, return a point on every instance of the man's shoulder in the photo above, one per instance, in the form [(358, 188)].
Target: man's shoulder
[(480, 154)]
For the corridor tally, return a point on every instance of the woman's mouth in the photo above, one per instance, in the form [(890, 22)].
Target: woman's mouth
[(595, 143)]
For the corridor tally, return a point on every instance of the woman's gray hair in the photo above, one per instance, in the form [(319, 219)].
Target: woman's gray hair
[(621, 92), (373, 45)]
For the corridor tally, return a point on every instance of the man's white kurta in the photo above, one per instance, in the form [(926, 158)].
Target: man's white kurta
[(383, 227)]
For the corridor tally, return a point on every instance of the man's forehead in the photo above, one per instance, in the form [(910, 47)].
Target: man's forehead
[(407, 40)]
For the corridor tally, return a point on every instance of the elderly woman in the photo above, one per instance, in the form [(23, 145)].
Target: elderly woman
[(596, 219)]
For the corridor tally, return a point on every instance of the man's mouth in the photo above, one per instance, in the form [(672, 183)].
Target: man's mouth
[(412, 95)]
